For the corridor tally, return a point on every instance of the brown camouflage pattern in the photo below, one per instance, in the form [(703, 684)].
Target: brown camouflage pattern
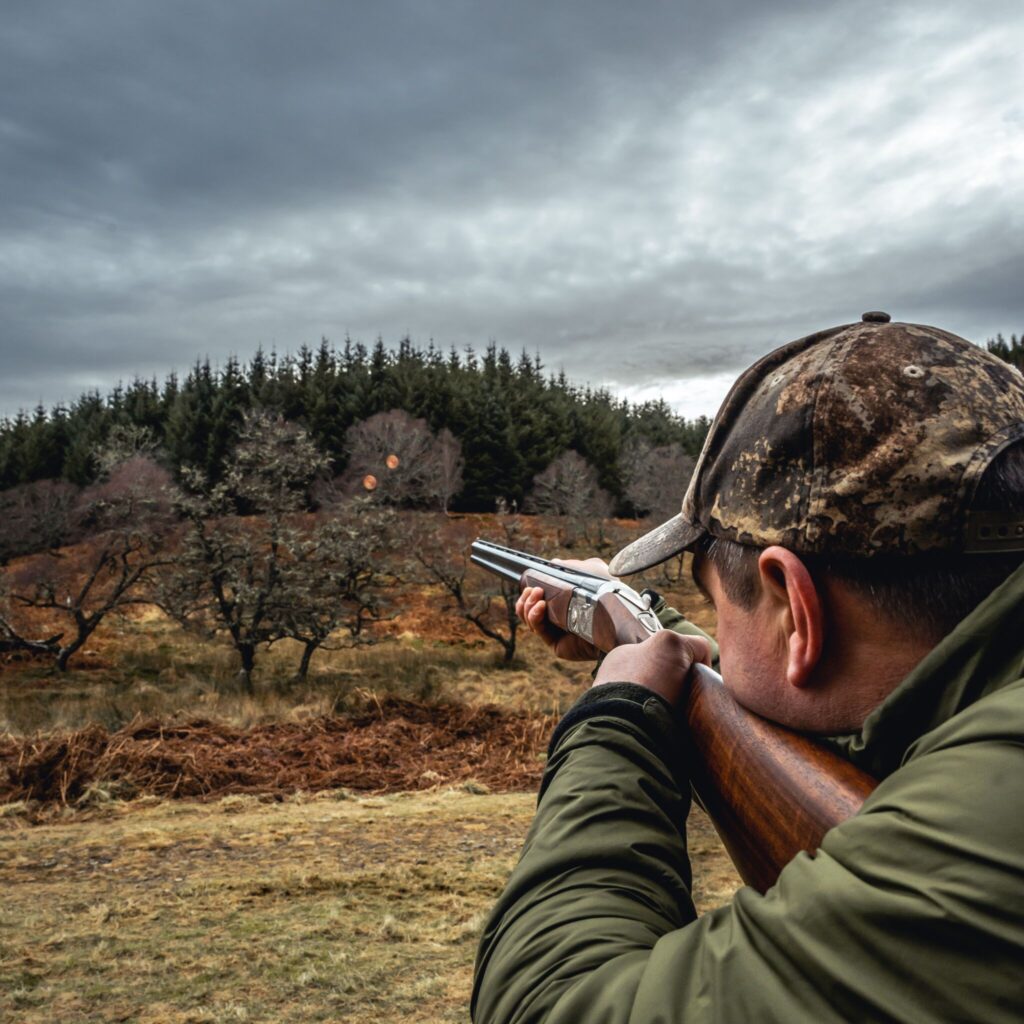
[(864, 439)]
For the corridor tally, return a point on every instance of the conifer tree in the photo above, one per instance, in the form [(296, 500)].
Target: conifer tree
[(1011, 351)]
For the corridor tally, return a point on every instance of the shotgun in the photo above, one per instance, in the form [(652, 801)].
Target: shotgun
[(769, 791)]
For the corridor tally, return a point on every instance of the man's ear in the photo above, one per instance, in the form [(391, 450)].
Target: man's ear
[(786, 580)]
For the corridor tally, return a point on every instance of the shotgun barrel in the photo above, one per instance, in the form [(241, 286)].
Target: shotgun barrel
[(510, 564)]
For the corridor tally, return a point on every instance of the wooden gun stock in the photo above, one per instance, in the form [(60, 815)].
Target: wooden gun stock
[(770, 792)]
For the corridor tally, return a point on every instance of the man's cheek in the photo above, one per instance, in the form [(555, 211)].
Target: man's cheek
[(742, 679)]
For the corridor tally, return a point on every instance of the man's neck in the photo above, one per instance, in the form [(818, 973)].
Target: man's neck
[(867, 656)]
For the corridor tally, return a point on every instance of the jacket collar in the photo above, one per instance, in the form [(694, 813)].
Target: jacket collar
[(984, 653)]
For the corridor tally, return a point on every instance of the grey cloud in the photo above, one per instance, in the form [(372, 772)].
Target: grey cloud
[(121, 104), (638, 196)]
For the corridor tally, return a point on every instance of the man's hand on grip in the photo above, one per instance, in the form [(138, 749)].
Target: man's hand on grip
[(662, 663)]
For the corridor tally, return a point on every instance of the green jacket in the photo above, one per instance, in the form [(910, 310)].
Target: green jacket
[(912, 910)]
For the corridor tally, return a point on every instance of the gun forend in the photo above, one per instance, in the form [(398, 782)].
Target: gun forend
[(601, 610)]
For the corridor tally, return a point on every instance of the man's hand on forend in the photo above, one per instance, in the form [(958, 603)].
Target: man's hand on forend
[(532, 609)]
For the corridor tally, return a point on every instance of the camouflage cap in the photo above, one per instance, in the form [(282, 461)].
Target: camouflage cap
[(860, 440)]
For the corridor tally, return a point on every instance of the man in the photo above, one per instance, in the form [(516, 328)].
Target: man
[(857, 518)]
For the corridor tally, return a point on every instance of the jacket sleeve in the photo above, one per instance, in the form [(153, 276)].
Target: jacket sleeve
[(586, 903), (901, 915)]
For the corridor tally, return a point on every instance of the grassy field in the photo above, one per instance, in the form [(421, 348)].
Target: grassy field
[(331, 906), (148, 666), (323, 908)]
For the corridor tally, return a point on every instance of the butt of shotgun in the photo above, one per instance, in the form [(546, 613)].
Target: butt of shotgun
[(770, 792)]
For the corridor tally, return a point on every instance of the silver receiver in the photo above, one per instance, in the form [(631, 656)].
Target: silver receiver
[(580, 618)]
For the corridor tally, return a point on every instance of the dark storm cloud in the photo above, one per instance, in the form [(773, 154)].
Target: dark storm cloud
[(653, 193), (139, 110)]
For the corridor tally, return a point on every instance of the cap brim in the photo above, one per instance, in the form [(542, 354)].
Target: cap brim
[(662, 542)]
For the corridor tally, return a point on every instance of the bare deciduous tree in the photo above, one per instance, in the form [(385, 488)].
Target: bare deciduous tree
[(335, 579), (121, 524), (229, 576), (569, 488), (446, 477), (399, 460), (36, 517), (655, 477), (124, 443), (276, 575), (476, 596)]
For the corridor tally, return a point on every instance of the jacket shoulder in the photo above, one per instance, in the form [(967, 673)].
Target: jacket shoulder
[(998, 717)]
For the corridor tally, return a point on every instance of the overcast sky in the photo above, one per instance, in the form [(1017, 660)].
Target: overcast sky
[(649, 194)]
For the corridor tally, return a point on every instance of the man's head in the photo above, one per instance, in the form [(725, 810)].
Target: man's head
[(859, 492)]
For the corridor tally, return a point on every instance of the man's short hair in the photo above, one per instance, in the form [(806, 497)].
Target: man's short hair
[(928, 593)]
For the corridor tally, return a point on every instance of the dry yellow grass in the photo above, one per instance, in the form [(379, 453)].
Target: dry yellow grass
[(173, 677), (323, 908), (144, 664)]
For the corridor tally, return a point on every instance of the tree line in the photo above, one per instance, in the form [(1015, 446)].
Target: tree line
[(276, 538), (1012, 351), (241, 556), (511, 418)]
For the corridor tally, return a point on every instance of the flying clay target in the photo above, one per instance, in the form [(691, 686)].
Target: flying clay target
[(369, 482), (392, 462)]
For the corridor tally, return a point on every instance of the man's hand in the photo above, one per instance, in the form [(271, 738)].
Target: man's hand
[(533, 610), (662, 663)]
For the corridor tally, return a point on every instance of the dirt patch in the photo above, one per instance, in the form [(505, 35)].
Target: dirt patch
[(393, 745)]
